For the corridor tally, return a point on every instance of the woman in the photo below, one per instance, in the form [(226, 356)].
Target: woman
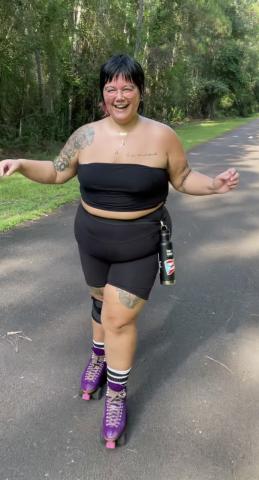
[(124, 163)]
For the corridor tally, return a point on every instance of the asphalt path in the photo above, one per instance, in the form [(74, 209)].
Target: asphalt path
[(194, 391)]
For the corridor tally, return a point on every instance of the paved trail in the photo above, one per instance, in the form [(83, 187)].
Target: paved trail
[(194, 392)]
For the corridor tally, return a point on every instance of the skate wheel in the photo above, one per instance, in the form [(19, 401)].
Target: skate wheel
[(110, 444), (86, 396), (122, 440), (97, 395)]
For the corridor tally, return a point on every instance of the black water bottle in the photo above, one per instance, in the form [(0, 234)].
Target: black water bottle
[(166, 257)]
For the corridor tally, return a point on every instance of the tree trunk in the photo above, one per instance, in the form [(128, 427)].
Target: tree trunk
[(75, 52), (139, 27), (39, 77)]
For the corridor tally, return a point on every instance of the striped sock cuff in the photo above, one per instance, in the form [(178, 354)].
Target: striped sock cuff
[(98, 344), (119, 377), (98, 348)]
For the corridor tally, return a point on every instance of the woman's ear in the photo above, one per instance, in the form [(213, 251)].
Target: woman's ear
[(103, 109)]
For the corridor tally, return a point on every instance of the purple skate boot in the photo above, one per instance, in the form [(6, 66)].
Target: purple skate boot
[(115, 418), (93, 377)]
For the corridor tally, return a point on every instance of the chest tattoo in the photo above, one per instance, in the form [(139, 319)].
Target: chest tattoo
[(137, 155)]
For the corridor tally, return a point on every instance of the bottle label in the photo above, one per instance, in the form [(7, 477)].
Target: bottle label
[(169, 266)]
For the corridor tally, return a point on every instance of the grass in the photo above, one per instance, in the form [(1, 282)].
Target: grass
[(194, 133), (22, 200)]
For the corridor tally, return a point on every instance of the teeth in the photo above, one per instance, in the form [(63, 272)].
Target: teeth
[(121, 107)]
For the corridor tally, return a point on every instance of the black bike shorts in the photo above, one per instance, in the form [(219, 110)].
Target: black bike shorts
[(123, 253)]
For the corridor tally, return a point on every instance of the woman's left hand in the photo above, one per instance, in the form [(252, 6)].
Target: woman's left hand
[(226, 181)]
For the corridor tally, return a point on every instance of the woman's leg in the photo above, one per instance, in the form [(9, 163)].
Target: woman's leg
[(119, 314), (121, 308), (94, 374)]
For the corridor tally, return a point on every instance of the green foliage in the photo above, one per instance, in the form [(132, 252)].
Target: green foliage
[(226, 102), (210, 93), (200, 57)]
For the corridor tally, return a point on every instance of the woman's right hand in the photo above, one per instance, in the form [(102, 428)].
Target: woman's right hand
[(9, 166)]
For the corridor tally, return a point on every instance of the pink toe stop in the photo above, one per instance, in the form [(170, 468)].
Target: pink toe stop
[(110, 444), (86, 396)]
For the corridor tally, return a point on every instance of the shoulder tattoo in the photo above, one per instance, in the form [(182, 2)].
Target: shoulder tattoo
[(128, 299), (80, 139), (83, 137)]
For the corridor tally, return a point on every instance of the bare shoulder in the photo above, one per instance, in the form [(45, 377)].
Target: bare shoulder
[(80, 139), (160, 129), (83, 136)]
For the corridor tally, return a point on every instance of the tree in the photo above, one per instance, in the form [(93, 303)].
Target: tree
[(200, 57)]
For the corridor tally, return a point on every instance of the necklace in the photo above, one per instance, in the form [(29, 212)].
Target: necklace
[(123, 136)]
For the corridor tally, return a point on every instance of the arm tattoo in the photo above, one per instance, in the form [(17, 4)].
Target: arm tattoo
[(185, 175), (128, 299), (78, 140), (61, 163)]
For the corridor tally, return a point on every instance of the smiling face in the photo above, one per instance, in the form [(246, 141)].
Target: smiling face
[(121, 98)]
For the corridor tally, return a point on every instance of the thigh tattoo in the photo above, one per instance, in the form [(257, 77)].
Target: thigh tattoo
[(128, 299)]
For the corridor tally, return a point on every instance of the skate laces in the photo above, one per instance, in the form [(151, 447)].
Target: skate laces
[(94, 367), (115, 403)]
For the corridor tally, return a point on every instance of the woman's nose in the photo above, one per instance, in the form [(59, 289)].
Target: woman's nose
[(119, 94)]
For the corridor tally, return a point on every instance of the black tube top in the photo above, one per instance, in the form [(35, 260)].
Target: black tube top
[(122, 187)]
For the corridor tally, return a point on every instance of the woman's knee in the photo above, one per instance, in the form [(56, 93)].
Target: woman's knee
[(117, 323), (120, 309)]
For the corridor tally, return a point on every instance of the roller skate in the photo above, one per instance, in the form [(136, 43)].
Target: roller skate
[(115, 418), (93, 378)]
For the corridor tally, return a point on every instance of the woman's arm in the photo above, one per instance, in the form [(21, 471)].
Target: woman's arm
[(188, 181), (38, 170), (62, 169)]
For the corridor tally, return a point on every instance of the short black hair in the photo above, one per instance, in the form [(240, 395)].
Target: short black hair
[(123, 65)]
